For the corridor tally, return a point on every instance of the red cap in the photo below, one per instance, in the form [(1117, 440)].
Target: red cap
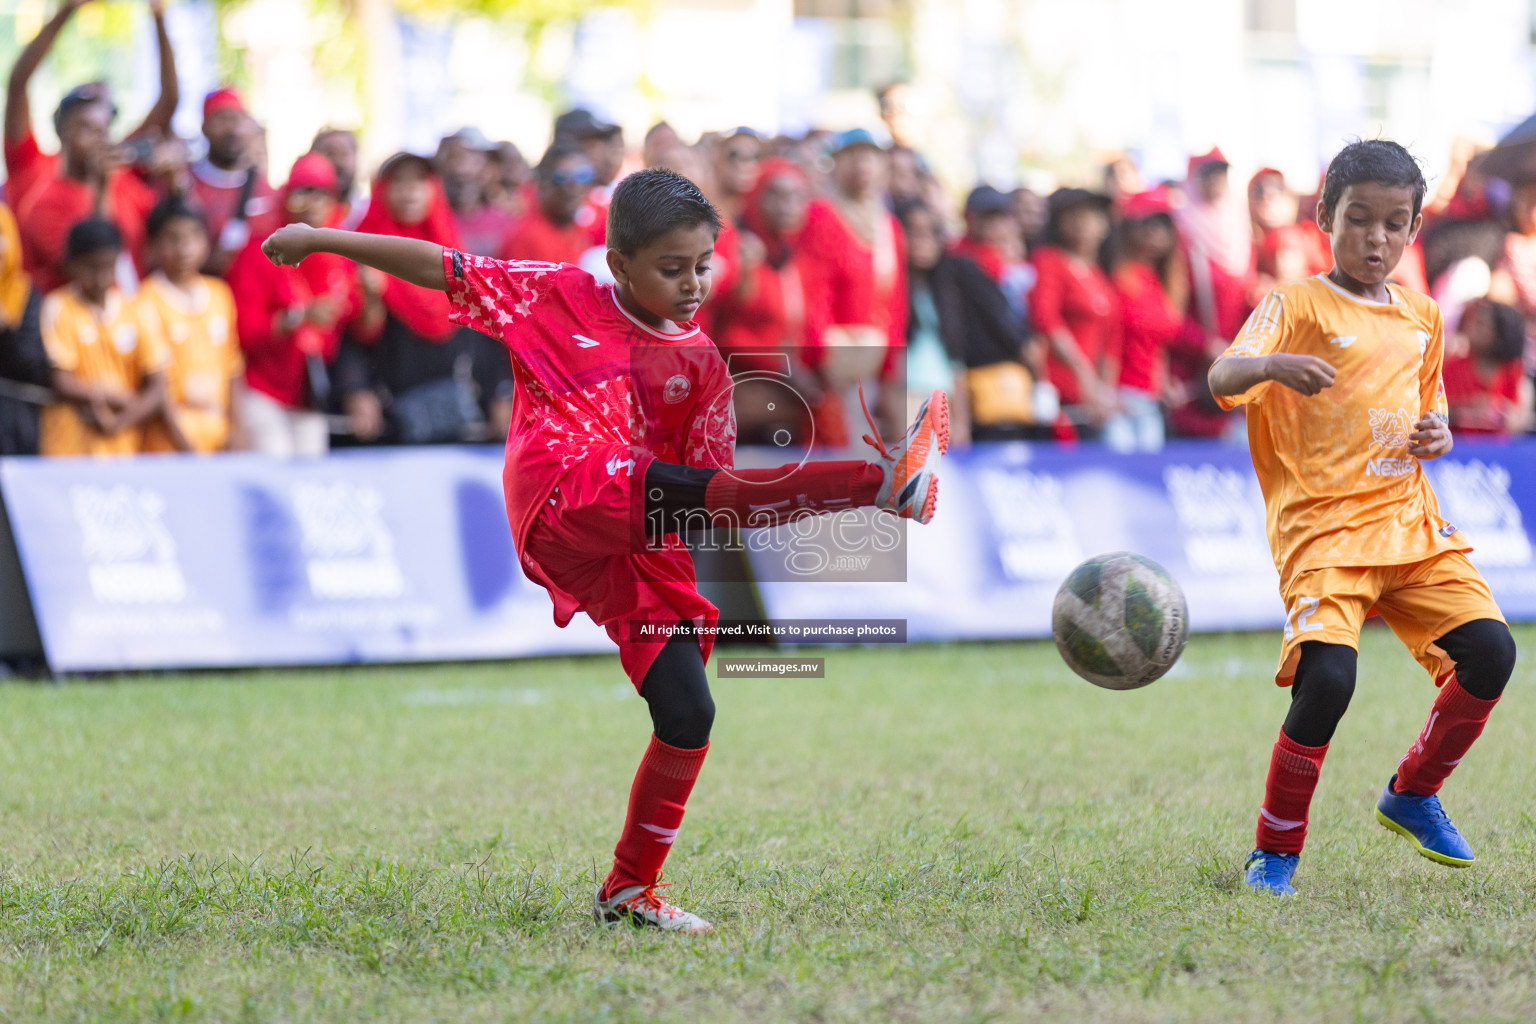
[(1261, 172), (222, 99), (1147, 204), (1202, 160), (311, 171)]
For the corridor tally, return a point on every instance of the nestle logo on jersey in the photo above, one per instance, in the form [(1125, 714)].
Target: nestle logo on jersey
[(1389, 467)]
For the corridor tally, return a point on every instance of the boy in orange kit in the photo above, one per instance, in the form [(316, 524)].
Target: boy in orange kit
[(193, 316), (1353, 521), (624, 437), (107, 370)]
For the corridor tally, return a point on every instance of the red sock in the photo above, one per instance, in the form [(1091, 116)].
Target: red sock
[(1293, 772), (656, 800), (768, 497), (1454, 722)]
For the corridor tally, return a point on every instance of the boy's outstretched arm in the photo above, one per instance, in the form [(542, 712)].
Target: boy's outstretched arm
[(410, 259), (1233, 375)]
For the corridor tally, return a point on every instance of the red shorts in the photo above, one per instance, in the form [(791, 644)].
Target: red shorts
[(587, 548)]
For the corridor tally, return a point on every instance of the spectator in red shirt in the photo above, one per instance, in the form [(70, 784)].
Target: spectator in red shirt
[(463, 162), (233, 194), (603, 145), (290, 321), (737, 156), (1073, 306), (1485, 386), (549, 231), (1287, 249), (339, 146), (1219, 238), (27, 166), (760, 323), (1151, 284), (853, 265), (88, 177)]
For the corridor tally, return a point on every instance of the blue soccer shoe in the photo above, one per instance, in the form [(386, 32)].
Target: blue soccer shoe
[(1271, 872), (1423, 822)]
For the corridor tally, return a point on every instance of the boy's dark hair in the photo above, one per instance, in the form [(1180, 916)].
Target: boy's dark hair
[(172, 208), (92, 235), (649, 203), (1374, 160), (1508, 331), (560, 150)]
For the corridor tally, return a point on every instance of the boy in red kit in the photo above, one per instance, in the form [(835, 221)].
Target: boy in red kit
[(617, 387), (1352, 519)]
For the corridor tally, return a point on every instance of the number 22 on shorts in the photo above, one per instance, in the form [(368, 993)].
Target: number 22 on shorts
[(1296, 618)]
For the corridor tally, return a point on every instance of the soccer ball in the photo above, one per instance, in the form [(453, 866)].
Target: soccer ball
[(1120, 621)]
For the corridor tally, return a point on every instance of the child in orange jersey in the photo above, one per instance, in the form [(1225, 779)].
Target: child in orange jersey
[(1353, 522), (194, 317), (108, 371)]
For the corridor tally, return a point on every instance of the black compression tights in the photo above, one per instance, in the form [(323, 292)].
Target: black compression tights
[(675, 498), (676, 689), (1482, 651)]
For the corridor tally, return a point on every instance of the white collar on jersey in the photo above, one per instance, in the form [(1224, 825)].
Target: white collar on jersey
[(1391, 299), (613, 293)]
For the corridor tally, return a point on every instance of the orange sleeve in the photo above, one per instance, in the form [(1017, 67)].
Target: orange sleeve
[(1431, 369), (59, 335), (1267, 330)]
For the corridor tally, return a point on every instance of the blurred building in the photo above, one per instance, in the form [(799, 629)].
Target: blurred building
[(999, 87)]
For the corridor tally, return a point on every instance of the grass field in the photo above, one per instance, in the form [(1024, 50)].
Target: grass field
[(928, 834)]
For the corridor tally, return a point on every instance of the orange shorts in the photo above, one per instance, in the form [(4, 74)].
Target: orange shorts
[(1420, 602)]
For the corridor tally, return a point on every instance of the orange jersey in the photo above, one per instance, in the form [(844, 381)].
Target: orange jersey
[(1339, 485), (196, 329), (106, 345)]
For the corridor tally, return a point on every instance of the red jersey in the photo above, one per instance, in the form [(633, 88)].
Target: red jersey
[(850, 281), (26, 167), (1479, 404), (769, 317), (275, 364), (1148, 323), (536, 238), (54, 206), (725, 275), (588, 376), (1074, 296), (217, 192)]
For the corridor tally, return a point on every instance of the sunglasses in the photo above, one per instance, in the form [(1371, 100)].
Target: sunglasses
[(580, 176)]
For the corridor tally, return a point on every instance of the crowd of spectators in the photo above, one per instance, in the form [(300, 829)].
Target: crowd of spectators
[(137, 312)]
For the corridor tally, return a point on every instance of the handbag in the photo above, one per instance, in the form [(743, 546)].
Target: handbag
[(1000, 394)]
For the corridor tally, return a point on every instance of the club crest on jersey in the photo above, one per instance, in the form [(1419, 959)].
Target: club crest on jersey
[(675, 389)]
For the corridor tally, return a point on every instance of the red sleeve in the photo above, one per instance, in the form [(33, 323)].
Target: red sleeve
[(26, 166), (494, 296), (816, 259), (1046, 299)]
